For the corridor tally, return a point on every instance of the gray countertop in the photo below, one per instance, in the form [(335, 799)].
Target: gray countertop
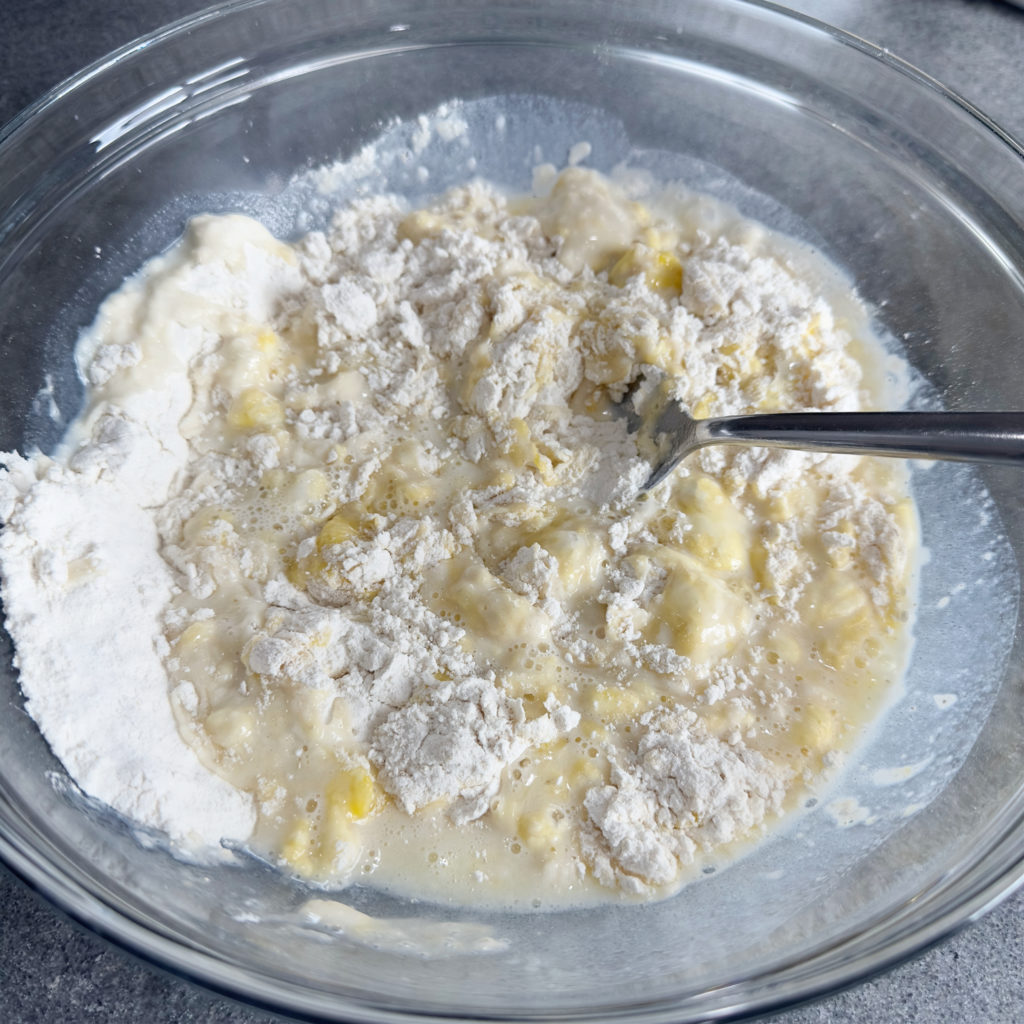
[(50, 970)]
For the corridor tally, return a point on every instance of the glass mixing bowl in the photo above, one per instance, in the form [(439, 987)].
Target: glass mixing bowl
[(914, 196)]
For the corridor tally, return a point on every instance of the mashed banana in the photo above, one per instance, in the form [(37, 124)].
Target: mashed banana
[(421, 616)]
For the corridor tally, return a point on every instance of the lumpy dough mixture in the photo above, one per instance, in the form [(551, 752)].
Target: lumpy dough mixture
[(416, 609)]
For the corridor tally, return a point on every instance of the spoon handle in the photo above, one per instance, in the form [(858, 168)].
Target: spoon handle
[(958, 436)]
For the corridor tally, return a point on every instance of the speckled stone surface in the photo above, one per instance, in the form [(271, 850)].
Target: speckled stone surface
[(52, 971)]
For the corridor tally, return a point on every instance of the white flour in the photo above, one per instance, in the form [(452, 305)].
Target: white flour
[(147, 561), (84, 591), (84, 584)]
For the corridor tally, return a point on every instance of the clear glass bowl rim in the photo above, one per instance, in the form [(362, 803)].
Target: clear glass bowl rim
[(945, 911)]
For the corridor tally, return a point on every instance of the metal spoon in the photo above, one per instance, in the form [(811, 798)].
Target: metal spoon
[(669, 433)]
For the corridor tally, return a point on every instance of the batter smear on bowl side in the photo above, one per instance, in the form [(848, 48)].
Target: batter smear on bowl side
[(351, 527)]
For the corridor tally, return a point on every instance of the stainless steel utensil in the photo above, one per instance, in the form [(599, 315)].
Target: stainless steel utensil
[(669, 434)]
